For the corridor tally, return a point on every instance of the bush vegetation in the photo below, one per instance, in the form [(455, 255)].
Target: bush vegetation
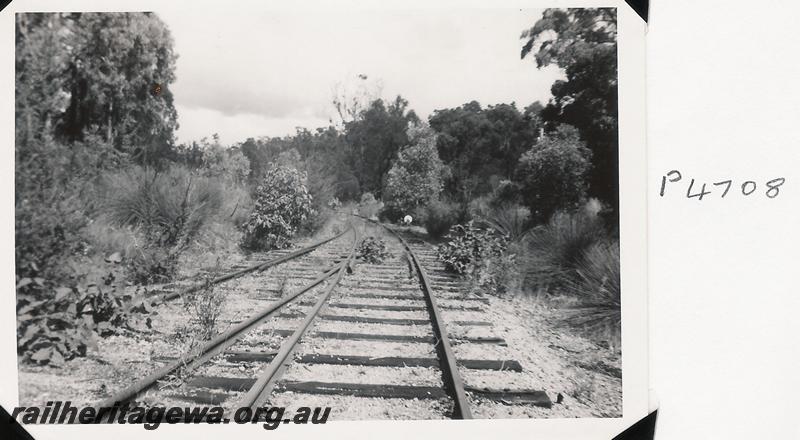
[(552, 174), (415, 179), (372, 250), (441, 215), (597, 288), (99, 180), (283, 205)]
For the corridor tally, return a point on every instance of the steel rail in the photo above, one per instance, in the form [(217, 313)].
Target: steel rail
[(258, 394), (256, 267), (450, 374), (216, 345)]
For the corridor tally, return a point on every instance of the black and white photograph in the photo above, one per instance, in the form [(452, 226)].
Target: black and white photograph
[(300, 216)]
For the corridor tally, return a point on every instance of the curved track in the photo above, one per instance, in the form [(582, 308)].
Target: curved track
[(370, 341)]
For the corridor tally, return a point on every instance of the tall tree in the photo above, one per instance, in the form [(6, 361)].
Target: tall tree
[(482, 145), (415, 178), (118, 76), (374, 139), (583, 42)]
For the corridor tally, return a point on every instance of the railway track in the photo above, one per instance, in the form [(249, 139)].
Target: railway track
[(369, 340), (278, 257)]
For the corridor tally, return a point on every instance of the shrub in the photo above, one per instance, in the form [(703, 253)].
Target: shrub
[(373, 250), (552, 252), (552, 173), (477, 253), (505, 193), (228, 164), (440, 217), (390, 213), (510, 220), (170, 207), (334, 203), (467, 245), (205, 307), (369, 207), (415, 178), (597, 288), (283, 205), (49, 206), (56, 323), (165, 210)]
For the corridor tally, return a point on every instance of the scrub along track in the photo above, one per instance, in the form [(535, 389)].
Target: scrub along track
[(370, 341)]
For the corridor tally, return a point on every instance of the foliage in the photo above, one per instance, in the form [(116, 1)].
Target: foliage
[(415, 178), (467, 245), (441, 216), (57, 323), (283, 204), (511, 220), (583, 42), (506, 192), (476, 253), (166, 208), (551, 174), (372, 250), (391, 214), (323, 149), (111, 71), (205, 307), (597, 288), (479, 143), (373, 140), (169, 206), (228, 164), (369, 207), (553, 252)]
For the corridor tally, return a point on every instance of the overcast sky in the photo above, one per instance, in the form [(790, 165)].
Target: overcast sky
[(263, 74)]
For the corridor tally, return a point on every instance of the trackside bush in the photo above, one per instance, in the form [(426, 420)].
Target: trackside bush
[(440, 217), (476, 253), (166, 209), (56, 323), (373, 250), (552, 174), (282, 206), (468, 245), (597, 289), (553, 252)]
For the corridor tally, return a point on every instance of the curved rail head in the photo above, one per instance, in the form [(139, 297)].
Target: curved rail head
[(450, 374)]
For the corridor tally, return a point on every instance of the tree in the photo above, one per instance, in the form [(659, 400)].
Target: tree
[(374, 139), (415, 178), (282, 206), (353, 97), (482, 146), (552, 174), (39, 83), (583, 42), (229, 164), (117, 76)]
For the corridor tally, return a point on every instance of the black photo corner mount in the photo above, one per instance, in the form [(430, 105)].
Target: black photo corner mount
[(644, 429), (4, 3), (641, 7), (10, 429)]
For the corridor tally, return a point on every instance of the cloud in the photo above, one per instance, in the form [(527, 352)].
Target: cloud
[(198, 122), (262, 73)]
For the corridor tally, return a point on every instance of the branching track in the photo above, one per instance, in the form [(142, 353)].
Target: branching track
[(371, 341), (253, 268)]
